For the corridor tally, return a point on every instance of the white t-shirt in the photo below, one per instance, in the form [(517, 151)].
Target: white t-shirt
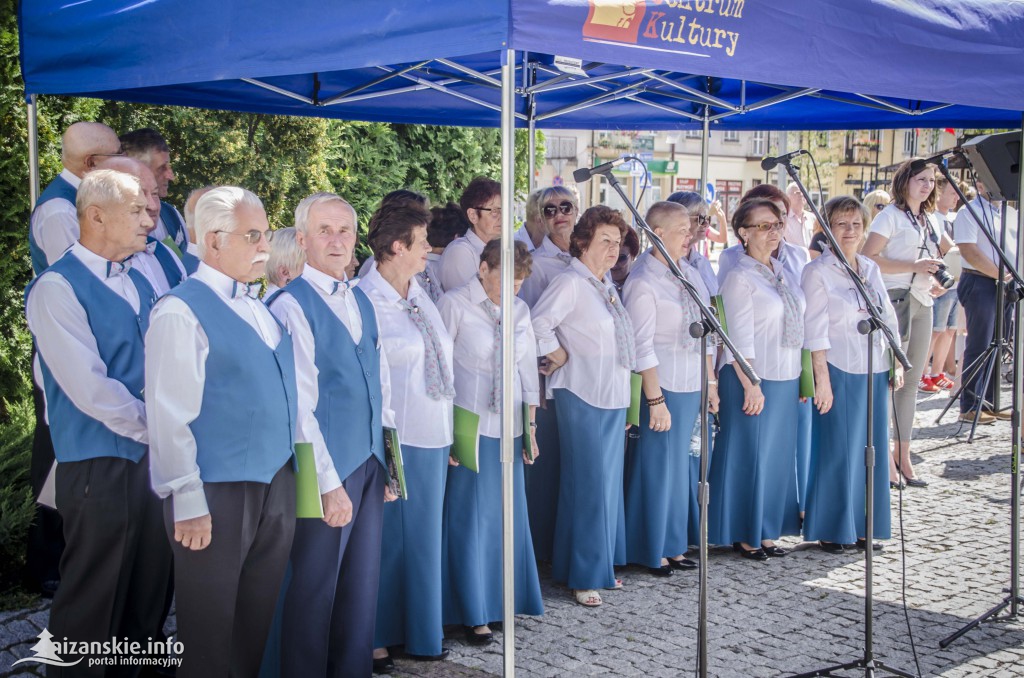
[(905, 241), (966, 229)]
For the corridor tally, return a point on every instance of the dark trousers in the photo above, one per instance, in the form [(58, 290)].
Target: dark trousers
[(977, 293), (116, 562), (225, 593), (330, 606), (45, 534)]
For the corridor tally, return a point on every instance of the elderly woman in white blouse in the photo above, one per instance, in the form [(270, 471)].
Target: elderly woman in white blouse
[(481, 201), (753, 469), (669, 362), (588, 341), (473, 508), (839, 355), (419, 350)]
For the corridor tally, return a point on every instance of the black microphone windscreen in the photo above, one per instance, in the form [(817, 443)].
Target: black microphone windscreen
[(581, 175), (769, 164)]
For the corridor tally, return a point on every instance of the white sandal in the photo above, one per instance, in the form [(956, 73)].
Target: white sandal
[(588, 597)]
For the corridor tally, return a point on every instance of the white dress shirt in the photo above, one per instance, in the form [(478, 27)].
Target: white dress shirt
[(834, 307), (66, 343), (472, 330), (433, 270), (461, 260), (346, 309), (54, 224), (421, 421), (176, 353), (904, 244), (548, 262), (659, 318), (704, 268), (754, 319), (967, 231), (799, 229), (148, 265), (523, 236), (793, 258), (269, 292), (573, 314)]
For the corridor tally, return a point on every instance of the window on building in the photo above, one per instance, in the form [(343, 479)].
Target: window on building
[(822, 139), (731, 136), (910, 142), (560, 148), (933, 142), (694, 133), (757, 143)]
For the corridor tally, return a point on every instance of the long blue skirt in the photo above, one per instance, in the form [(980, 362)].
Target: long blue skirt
[(753, 493), (658, 490), (835, 494), (803, 450), (473, 541), (409, 609), (541, 480), (590, 493)]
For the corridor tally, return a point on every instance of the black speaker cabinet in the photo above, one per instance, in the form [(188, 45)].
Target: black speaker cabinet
[(996, 161)]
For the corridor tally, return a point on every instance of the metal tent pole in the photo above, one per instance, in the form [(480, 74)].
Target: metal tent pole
[(33, 149), (704, 152), (508, 167)]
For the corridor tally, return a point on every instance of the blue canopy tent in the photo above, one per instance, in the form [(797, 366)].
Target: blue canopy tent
[(628, 64)]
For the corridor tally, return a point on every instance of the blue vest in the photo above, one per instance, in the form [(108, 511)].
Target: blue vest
[(189, 261), (349, 407), (58, 188), (168, 263), (175, 229), (245, 430), (119, 334)]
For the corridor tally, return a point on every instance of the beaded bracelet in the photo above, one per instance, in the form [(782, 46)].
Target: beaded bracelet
[(656, 401)]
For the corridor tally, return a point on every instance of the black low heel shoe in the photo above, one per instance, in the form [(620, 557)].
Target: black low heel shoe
[(663, 571), (755, 554), (775, 551), (682, 564), (474, 638), (863, 544), (428, 657), (831, 547), (383, 665)]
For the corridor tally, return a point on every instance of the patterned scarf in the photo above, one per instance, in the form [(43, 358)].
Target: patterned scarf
[(429, 285), (495, 315), (564, 257), (792, 319), (625, 342), (435, 367), (691, 314)]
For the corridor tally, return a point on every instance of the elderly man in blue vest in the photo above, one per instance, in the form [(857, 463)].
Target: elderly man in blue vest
[(88, 313), (150, 148), (344, 400), (221, 401)]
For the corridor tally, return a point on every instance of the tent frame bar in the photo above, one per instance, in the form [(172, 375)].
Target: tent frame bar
[(347, 94)]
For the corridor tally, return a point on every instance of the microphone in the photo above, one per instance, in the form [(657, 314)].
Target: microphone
[(918, 165), (770, 163), (585, 173)]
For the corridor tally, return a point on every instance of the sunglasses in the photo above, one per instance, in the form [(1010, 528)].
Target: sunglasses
[(767, 226), (565, 207), (252, 237), (701, 219), (879, 207)]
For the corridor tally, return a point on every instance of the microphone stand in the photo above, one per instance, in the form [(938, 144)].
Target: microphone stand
[(1013, 295), (867, 327), (708, 324)]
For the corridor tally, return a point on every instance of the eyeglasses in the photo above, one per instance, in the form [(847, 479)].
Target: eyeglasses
[(107, 155), (565, 207), (767, 226), (701, 219), (252, 237), (496, 210)]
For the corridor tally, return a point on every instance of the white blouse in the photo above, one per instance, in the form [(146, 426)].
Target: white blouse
[(472, 330), (834, 307), (703, 266), (421, 420), (792, 258), (904, 244), (572, 313), (659, 317), (754, 319), (545, 269), (460, 260)]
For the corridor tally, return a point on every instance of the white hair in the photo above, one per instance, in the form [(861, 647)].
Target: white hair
[(103, 187), (284, 251), (215, 212), (307, 203)]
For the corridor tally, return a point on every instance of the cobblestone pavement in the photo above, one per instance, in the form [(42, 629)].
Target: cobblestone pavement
[(788, 615)]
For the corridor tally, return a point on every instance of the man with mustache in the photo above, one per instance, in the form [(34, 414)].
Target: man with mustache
[(221, 403), (88, 312)]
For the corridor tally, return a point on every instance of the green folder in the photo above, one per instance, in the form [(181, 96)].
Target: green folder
[(633, 413), (396, 466), (466, 448), (718, 306), (169, 241), (307, 488), (527, 439), (806, 375)]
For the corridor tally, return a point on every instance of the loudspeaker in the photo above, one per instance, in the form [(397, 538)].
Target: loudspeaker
[(996, 161)]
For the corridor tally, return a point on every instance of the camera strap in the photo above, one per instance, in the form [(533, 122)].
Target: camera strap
[(922, 230)]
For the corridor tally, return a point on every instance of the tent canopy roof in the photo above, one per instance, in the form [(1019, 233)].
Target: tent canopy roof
[(838, 64)]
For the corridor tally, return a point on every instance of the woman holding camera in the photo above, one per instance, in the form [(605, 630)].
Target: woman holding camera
[(907, 243)]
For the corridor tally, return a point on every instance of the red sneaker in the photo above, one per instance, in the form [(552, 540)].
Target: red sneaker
[(944, 382), (928, 385)]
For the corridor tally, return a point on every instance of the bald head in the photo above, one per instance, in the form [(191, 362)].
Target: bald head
[(140, 171), (190, 210), (84, 144)]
